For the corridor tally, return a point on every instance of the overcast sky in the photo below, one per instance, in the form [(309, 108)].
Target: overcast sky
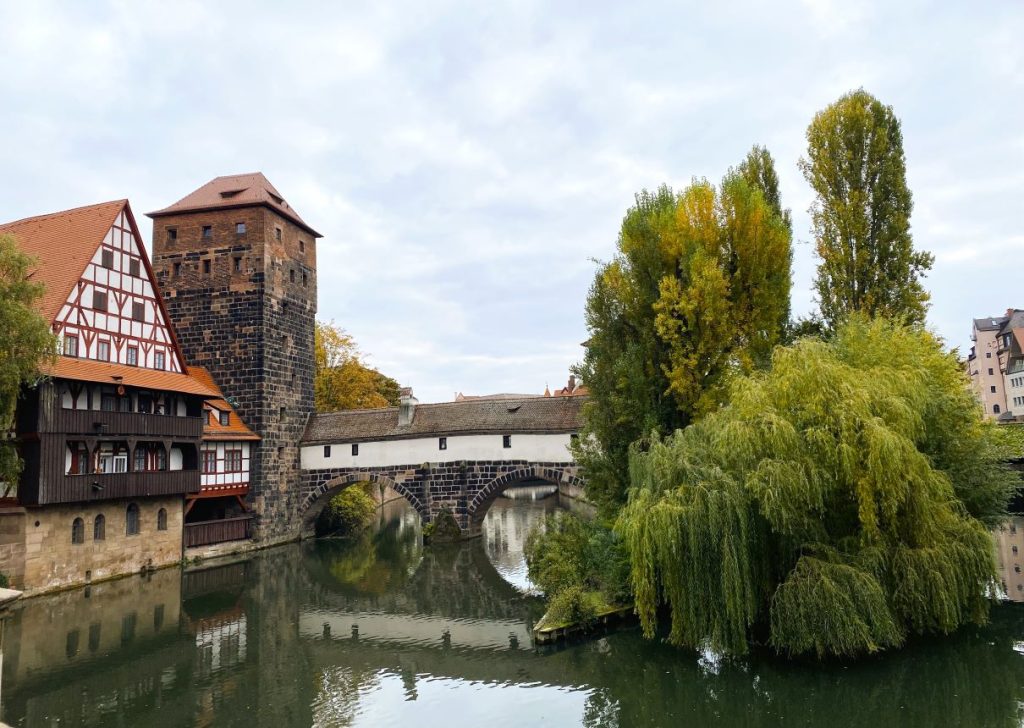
[(466, 161)]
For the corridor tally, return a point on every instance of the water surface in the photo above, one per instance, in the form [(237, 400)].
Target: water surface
[(383, 632)]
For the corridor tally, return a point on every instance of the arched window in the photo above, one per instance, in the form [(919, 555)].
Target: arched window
[(78, 531), (131, 527), (995, 409), (161, 520), (99, 528)]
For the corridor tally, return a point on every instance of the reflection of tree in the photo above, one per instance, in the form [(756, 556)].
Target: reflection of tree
[(338, 698)]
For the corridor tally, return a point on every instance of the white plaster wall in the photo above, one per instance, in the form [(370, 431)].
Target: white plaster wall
[(536, 448)]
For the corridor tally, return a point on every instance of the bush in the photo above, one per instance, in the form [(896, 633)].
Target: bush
[(566, 552), (572, 605), (348, 512)]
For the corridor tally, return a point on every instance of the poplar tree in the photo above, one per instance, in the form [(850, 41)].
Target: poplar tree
[(840, 502), (25, 342), (861, 216), (699, 289)]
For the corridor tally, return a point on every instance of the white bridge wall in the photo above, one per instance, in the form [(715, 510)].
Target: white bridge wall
[(412, 451)]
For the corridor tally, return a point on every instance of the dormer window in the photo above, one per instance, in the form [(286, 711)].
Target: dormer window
[(225, 418)]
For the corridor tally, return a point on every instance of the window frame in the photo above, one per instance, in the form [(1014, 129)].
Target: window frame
[(206, 232), (78, 531), (73, 349), (240, 228), (131, 356), (103, 350), (159, 360), (209, 457), (99, 527), (327, 451), (355, 449), (442, 443), (97, 297), (233, 460), (506, 441), (130, 510), (107, 258)]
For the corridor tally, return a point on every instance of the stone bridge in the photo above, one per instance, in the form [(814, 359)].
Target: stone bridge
[(456, 456)]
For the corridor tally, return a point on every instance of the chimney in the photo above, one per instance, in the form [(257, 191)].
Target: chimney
[(406, 407), (572, 383)]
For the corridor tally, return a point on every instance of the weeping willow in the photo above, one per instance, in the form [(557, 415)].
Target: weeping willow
[(839, 503)]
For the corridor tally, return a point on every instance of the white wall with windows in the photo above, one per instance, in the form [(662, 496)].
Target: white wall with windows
[(548, 448), (224, 463)]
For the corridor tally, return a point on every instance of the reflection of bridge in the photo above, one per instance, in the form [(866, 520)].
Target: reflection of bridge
[(456, 456)]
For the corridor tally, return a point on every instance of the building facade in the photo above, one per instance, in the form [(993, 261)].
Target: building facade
[(110, 439), (237, 266), (995, 365)]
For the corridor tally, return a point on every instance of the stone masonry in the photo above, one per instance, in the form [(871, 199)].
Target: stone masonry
[(244, 307), (465, 488)]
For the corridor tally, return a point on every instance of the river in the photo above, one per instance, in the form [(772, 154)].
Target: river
[(384, 632)]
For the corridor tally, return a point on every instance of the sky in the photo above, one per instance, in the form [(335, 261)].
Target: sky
[(467, 163)]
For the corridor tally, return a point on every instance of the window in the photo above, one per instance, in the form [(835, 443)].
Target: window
[(207, 232), (99, 528), (79, 458), (304, 279), (988, 354), (990, 371), (70, 346), (94, 636), (239, 228), (103, 351), (1014, 549), (177, 270), (327, 451), (237, 264), (302, 246), (140, 459), (355, 448), (161, 520), (78, 531), (128, 627), (158, 617), (993, 389), (995, 409), (134, 267), (232, 461), (131, 526), (159, 360), (209, 461), (277, 233), (71, 644), (132, 356), (107, 258), (99, 300), (506, 440), (225, 419), (138, 311), (145, 403), (206, 267), (172, 234), (1016, 567), (291, 275), (442, 443), (108, 403)]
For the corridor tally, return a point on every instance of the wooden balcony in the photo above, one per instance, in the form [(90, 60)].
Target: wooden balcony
[(205, 533), (129, 424), (104, 486)]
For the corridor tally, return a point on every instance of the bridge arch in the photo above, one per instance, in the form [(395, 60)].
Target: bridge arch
[(313, 503), (560, 476)]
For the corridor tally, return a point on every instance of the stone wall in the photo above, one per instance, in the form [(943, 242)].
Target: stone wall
[(464, 488), (251, 323), (49, 560)]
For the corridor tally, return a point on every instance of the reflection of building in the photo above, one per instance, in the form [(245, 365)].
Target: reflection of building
[(1010, 558)]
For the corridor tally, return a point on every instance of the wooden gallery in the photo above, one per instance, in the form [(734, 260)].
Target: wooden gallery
[(131, 455)]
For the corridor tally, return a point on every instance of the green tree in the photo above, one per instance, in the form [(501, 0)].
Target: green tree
[(861, 216), (838, 503), (341, 380), (25, 343), (699, 289)]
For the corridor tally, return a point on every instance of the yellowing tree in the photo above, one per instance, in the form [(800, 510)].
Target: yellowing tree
[(342, 381)]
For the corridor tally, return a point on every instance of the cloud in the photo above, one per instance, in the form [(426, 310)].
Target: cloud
[(466, 161)]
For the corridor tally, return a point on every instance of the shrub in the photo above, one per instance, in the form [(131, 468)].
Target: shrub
[(348, 512), (572, 605)]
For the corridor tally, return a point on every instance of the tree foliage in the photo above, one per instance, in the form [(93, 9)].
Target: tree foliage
[(348, 512), (341, 380), (699, 289), (840, 502), (861, 216), (25, 342)]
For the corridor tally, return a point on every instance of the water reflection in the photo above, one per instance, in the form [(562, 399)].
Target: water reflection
[(385, 633)]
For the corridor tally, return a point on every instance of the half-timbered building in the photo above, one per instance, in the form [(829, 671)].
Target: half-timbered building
[(111, 439)]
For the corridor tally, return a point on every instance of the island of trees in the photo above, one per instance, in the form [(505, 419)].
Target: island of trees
[(822, 486)]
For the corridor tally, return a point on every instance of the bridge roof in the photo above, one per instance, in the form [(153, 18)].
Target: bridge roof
[(534, 415)]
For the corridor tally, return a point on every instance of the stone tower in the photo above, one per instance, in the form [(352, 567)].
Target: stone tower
[(237, 267)]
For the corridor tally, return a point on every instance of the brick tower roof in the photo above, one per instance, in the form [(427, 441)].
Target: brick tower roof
[(232, 191)]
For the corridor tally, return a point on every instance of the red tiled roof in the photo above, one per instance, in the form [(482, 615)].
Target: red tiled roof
[(236, 429), (90, 370), (63, 243), (236, 190)]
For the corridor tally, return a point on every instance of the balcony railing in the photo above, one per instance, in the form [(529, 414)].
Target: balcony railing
[(103, 486), (97, 422), (205, 533)]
